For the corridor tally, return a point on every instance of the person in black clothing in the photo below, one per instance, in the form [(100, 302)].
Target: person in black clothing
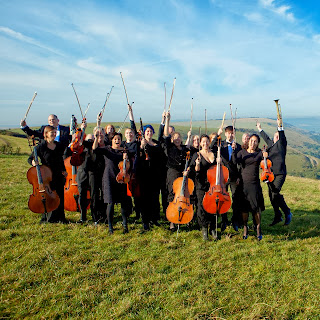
[(163, 168), (234, 182), (113, 192), (277, 150), (150, 175), (133, 148), (176, 154), (50, 153), (249, 158), (200, 164), (62, 136), (109, 131)]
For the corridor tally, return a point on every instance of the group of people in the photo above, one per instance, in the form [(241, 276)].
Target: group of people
[(153, 166)]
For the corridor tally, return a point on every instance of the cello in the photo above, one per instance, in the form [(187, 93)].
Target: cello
[(180, 210), (43, 199), (266, 164), (217, 200), (71, 192)]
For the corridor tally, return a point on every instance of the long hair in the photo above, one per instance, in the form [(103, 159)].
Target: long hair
[(246, 145)]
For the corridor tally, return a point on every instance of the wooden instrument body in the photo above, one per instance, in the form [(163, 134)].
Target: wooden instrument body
[(180, 210), (266, 174), (43, 199), (123, 176), (71, 192), (217, 199), (42, 193), (76, 146)]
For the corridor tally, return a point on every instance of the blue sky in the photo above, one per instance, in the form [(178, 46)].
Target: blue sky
[(247, 53)]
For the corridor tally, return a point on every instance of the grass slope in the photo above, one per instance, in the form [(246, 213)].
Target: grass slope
[(79, 272)]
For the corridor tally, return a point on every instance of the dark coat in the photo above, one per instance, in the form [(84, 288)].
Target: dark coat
[(64, 138), (277, 152)]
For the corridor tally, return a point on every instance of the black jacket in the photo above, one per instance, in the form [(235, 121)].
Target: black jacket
[(64, 139), (277, 152)]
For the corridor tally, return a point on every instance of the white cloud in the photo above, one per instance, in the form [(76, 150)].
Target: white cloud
[(282, 10), (19, 36)]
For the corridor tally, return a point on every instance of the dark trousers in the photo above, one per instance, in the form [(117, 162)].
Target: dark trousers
[(58, 214), (276, 198), (237, 199), (126, 207), (150, 209), (92, 182), (205, 219)]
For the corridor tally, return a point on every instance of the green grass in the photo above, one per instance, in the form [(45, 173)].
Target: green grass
[(75, 271)]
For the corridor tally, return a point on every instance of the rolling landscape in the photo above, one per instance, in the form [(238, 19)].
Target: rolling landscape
[(58, 271)]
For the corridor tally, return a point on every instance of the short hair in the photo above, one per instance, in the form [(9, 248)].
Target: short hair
[(55, 116), (148, 126), (173, 128), (95, 129), (228, 129), (113, 134)]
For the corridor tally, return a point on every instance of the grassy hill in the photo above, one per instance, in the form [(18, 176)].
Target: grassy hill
[(303, 158), (76, 271)]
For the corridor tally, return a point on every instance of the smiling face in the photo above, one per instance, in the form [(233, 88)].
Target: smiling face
[(50, 135), (110, 129), (116, 141), (196, 142), (204, 143), (245, 138), (253, 143), (53, 120), (176, 139), (229, 135), (129, 135), (148, 134)]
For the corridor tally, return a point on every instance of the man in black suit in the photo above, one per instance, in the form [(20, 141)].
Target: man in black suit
[(277, 149), (63, 133), (234, 183)]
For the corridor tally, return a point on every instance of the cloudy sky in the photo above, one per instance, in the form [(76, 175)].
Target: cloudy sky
[(243, 52)]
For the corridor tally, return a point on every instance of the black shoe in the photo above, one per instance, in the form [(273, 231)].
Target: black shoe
[(125, 230), (235, 226), (223, 226), (81, 221), (156, 223), (275, 221), (146, 227), (110, 232), (64, 221)]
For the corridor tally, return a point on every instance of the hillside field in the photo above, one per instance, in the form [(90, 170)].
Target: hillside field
[(73, 271)]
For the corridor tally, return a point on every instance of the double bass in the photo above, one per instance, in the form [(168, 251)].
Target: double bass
[(217, 200), (43, 199), (180, 210)]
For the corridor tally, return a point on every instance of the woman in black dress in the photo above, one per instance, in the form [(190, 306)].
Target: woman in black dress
[(249, 157), (50, 153), (200, 164), (113, 192), (150, 173)]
